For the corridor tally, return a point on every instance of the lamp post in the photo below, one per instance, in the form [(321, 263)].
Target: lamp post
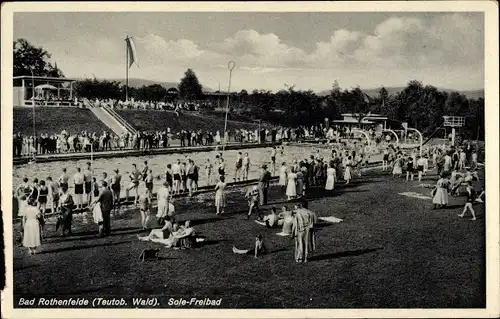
[(420, 136), (230, 66), (33, 106), (395, 134)]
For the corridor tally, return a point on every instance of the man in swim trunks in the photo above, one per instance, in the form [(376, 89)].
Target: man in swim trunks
[(135, 177), (63, 179), (176, 171), (87, 178), (116, 188), (78, 180)]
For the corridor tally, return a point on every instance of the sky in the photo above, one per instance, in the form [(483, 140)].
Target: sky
[(271, 50)]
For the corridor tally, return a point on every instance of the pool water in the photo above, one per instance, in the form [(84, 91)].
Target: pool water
[(158, 163)]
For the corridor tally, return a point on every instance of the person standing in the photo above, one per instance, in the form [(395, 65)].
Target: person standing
[(135, 177), (252, 195), (282, 173), (144, 207), (208, 171), (291, 188), (263, 185), (190, 176), (239, 167), (299, 234), (440, 192), (176, 170), (420, 167), (220, 196), (273, 160), (105, 199), (63, 179), (246, 166), (330, 177), (471, 197), (447, 165), (53, 194), (66, 211), (163, 196), (43, 193), (78, 180), (31, 227), (116, 187), (409, 168), (397, 169), (148, 181), (300, 182), (347, 170), (87, 178)]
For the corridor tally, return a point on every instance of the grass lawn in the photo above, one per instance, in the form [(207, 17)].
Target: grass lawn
[(155, 120), (53, 120), (390, 251)]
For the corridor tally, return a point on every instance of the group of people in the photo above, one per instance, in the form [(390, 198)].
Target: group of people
[(152, 105), (101, 194)]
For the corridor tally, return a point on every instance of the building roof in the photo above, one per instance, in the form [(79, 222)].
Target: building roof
[(43, 78)]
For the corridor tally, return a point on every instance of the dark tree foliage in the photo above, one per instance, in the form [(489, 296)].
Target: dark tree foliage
[(28, 58), (189, 87)]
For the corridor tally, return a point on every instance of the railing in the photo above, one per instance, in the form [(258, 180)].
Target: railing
[(121, 120)]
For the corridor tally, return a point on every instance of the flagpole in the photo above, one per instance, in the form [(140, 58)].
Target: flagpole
[(230, 66), (126, 70)]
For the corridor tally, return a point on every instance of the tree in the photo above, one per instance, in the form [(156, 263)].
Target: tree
[(29, 58), (189, 87), (94, 88)]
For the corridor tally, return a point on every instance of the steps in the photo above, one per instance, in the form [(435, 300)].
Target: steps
[(115, 123), (120, 119)]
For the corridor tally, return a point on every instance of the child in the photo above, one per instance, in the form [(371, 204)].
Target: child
[(260, 248), (420, 167), (253, 200), (471, 196), (409, 168)]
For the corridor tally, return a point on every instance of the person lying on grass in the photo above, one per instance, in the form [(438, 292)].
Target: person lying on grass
[(183, 236), (160, 233), (259, 249), (271, 220)]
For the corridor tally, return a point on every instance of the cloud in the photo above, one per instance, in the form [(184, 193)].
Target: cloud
[(395, 49), (263, 50)]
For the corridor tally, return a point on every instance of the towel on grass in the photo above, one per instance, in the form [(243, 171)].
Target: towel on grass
[(282, 234), (331, 219)]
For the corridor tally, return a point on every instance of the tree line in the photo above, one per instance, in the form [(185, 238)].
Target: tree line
[(421, 106)]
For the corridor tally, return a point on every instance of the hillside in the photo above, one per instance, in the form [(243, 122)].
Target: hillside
[(471, 94), (52, 120), (154, 120)]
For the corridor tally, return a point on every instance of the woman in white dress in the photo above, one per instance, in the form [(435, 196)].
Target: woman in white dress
[(282, 181), (398, 166), (220, 197), (291, 189), (330, 177), (31, 231), (440, 192), (347, 170)]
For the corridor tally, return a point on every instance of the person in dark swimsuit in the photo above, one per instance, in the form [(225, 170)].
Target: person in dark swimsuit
[(471, 197), (169, 175), (43, 193), (409, 168)]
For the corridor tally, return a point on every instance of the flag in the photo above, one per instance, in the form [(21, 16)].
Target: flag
[(132, 53)]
